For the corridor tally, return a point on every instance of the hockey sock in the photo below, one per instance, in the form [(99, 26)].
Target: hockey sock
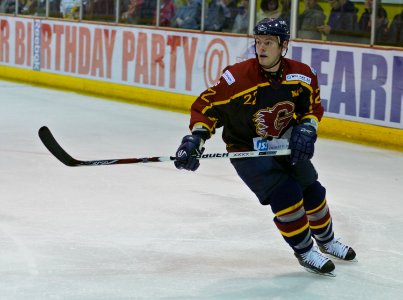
[(290, 218), (318, 214)]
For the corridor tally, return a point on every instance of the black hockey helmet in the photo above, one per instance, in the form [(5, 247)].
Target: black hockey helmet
[(276, 27)]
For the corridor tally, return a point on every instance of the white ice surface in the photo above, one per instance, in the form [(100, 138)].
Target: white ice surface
[(149, 231)]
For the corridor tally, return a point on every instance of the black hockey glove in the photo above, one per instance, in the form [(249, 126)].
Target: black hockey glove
[(302, 141), (190, 147)]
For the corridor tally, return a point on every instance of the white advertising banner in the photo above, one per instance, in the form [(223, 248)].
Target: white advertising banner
[(358, 84), (174, 61)]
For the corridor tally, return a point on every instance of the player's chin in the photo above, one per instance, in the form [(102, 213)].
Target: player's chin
[(264, 63)]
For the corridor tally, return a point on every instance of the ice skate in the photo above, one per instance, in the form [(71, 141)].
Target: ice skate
[(314, 261), (338, 249)]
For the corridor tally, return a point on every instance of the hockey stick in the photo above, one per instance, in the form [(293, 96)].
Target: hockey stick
[(53, 146)]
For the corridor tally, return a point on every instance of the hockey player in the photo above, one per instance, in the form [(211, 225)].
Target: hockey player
[(264, 103)]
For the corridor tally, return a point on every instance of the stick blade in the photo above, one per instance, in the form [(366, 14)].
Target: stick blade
[(53, 146)]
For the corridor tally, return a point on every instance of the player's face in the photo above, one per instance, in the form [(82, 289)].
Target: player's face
[(268, 51)]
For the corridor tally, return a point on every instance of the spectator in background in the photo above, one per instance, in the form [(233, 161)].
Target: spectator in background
[(8, 6), (232, 6), (309, 21), (381, 23), (70, 9), (268, 9), (241, 22), (54, 8), (342, 23), (216, 14), (133, 7), (188, 16), (286, 11), (141, 12), (148, 12), (396, 30), (167, 12), (100, 10), (33, 7)]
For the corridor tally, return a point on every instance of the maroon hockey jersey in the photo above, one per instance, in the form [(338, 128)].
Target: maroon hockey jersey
[(248, 103)]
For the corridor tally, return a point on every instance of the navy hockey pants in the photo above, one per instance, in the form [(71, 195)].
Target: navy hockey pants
[(264, 174)]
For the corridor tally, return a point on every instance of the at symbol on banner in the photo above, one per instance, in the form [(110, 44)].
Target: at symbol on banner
[(215, 59)]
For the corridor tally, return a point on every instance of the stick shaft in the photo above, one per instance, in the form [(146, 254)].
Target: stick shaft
[(54, 147)]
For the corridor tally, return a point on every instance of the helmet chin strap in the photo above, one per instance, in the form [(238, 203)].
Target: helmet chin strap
[(273, 65)]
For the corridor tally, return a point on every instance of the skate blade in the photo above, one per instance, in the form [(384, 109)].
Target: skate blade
[(329, 274), (354, 260)]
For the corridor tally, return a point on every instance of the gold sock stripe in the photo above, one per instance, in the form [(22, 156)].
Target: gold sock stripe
[(321, 225), (308, 212), (289, 209), (295, 232)]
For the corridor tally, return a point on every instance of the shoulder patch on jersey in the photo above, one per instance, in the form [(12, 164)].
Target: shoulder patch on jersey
[(228, 77), (300, 77)]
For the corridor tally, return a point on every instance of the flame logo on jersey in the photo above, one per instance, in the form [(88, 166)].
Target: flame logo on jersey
[(271, 121)]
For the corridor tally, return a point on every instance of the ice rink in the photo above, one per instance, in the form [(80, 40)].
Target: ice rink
[(149, 231)]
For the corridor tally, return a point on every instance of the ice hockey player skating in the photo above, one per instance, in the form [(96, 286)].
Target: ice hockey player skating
[(271, 102)]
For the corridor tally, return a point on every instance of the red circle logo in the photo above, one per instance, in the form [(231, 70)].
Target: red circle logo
[(215, 59)]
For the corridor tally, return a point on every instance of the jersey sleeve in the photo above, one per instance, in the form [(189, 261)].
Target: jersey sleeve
[(204, 111), (314, 109)]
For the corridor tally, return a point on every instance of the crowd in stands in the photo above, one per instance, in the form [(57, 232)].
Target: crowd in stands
[(342, 23)]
